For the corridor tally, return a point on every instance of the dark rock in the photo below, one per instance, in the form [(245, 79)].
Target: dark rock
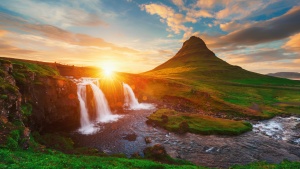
[(130, 137), (148, 140), (183, 127)]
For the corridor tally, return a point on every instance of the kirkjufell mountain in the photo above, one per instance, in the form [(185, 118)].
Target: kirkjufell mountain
[(195, 59)]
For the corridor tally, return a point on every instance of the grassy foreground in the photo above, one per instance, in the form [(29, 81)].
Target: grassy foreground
[(54, 159), (57, 160), (197, 123)]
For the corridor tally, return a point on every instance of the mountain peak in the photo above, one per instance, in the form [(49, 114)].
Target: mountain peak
[(193, 45), (193, 54), (194, 40)]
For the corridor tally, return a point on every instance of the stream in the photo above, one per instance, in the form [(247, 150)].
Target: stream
[(271, 141)]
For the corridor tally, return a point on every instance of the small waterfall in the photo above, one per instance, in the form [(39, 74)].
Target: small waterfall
[(102, 108), (87, 126), (131, 102)]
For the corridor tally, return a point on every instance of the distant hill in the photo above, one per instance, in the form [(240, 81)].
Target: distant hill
[(288, 75)]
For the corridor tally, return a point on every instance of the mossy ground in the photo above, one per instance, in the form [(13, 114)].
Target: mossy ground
[(200, 124)]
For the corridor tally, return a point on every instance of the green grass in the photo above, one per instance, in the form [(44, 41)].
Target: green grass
[(39, 69), (260, 165), (199, 124), (54, 159)]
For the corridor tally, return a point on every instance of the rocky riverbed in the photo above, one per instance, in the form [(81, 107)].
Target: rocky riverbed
[(271, 140)]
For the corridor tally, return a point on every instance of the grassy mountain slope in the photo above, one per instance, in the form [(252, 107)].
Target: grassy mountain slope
[(207, 85)]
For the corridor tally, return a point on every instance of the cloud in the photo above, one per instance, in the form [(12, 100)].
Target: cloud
[(235, 10), (209, 4), (234, 25), (267, 31), (168, 15), (193, 15), (179, 3), (9, 50), (59, 14), (2, 32), (175, 21), (293, 43), (55, 33), (262, 55)]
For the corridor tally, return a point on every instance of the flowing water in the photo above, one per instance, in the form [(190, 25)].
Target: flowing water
[(131, 102), (127, 135), (103, 111), (272, 140)]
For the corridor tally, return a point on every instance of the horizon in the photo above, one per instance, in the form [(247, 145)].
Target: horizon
[(259, 36)]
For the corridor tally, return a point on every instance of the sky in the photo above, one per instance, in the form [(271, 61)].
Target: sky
[(137, 35)]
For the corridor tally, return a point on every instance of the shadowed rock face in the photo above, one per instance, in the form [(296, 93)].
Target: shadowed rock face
[(55, 104), (53, 99)]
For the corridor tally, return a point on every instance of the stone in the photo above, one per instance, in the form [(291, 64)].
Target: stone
[(148, 140)]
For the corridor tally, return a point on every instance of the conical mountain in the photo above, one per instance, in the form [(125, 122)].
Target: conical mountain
[(195, 59)]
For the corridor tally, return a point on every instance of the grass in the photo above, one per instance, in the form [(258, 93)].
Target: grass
[(54, 159), (260, 165), (39, 69), (199, 124)]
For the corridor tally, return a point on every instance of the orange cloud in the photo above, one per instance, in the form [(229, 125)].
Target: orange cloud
[(209, 3), (2, 32), (233, 26), (293, 43)]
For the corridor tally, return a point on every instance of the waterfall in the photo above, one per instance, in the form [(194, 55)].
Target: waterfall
[(131, 102), (86, 126), (102, 108)]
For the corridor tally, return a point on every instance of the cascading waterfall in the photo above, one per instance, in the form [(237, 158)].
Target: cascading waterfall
[(131, 102), (87, 127), (102, 108)]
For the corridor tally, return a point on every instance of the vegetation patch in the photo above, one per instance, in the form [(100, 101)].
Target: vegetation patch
[(54, 159), (196, 123), (258, 165)]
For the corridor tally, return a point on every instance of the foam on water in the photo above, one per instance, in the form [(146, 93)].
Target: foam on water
[(131, 102), (279, 128)]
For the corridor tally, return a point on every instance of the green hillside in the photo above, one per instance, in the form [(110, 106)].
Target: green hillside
[(203, 83)]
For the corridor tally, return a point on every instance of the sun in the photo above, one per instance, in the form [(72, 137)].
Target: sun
[(108, 69)]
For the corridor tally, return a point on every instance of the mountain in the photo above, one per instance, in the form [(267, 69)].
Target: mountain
[(194, 59), (288, 75)]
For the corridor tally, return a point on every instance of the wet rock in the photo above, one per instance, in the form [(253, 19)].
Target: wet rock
[(148, 140), (130, 137)]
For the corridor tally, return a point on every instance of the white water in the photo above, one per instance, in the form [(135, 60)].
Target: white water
[(102, 108), (131, 102), (86, 126), (279, 128)]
